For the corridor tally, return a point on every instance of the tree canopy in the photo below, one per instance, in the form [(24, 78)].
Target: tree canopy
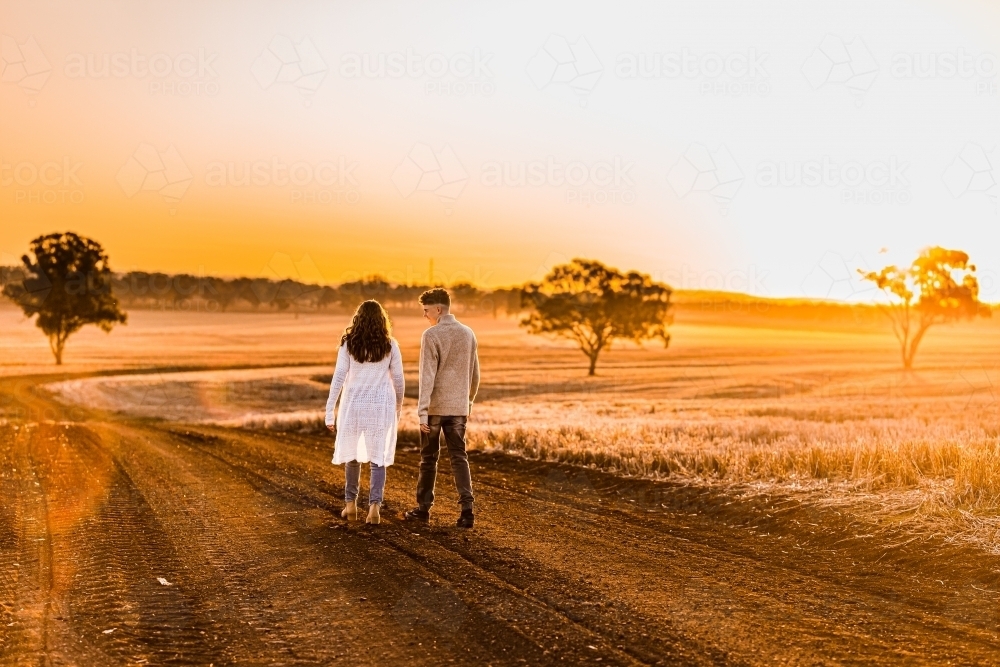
[(67, 284), (593, 304), (939, 286)]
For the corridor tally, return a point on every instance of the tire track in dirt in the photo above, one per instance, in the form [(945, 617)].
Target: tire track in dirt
[(94, 589), (476, 593), (221, 560), (310, 573), (250, 577), (475, 587), (815, 610), (123, 555), (668, 644), (768, 604), (25, 566), (561, 568)]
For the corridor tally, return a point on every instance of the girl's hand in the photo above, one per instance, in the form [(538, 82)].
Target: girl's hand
[(332, 428)]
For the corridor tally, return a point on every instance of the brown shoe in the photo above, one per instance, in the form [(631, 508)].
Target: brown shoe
[(374, 515), (350, 511)]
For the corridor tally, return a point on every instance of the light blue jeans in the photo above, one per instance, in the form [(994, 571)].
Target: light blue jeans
[(376, 485)]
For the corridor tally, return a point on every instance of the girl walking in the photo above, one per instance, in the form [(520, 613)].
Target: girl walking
[(369, 381)]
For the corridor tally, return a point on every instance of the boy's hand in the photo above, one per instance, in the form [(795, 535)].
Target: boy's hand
[(425, 428)]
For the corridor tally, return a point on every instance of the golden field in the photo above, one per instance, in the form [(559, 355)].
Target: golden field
[(757, 404)]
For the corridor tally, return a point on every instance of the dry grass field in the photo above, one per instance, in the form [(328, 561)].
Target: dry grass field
[(768, 490), (819, 412)]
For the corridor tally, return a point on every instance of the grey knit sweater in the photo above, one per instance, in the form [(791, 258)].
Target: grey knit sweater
[(449, 369)]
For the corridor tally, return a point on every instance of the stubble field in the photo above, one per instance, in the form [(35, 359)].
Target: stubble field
[(764, 491), (822, 413)]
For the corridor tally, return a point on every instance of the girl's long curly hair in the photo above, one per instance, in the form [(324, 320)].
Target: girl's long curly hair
[(369, 335)]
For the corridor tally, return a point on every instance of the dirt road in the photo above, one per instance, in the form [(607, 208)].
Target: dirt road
[(128, 541)]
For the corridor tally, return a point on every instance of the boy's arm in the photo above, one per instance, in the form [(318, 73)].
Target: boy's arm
[(474, 383), (428, 370)]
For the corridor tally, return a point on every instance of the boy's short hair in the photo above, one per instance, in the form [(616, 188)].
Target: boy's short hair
[(435, 297)]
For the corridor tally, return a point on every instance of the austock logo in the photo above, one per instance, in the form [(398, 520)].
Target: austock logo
[(958, 64), (462, 73), (156, 394), (715, 173), (735, 73), (599, 182), (835, 62), (552, 260), (561, 62), (49, 182), (869, 182), (708, 380), (179, 74), (748, 281), (323, 182), (851, 64), (37, 285), (286, 62), (834, 277), (150, 170), (981, 387), (23, 64), (287, 280), (424, 170), (975, 170)]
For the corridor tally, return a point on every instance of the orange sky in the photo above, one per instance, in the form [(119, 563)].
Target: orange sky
[(357, 170)]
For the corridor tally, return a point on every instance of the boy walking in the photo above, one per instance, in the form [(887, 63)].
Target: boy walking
[(449, 380)]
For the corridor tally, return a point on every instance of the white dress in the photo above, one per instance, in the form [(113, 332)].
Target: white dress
[(369, 408)]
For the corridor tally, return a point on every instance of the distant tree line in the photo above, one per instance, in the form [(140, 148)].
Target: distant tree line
[(141, 290), (65, 280)]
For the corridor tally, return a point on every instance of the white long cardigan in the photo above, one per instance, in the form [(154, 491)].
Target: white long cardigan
[(369, 407)]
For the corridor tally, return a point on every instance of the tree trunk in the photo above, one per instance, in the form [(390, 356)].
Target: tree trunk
[(56, 344), (593, 364), (908, 355)]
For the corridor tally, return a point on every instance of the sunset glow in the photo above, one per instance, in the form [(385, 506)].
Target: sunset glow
[(756, 148), (656, 332)]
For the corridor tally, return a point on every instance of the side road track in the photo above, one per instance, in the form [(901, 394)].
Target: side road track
[(143, 542)]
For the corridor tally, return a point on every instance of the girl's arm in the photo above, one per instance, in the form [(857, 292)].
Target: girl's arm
[(337, 383)]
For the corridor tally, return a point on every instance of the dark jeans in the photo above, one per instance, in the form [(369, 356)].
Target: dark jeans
[(430, 447)]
